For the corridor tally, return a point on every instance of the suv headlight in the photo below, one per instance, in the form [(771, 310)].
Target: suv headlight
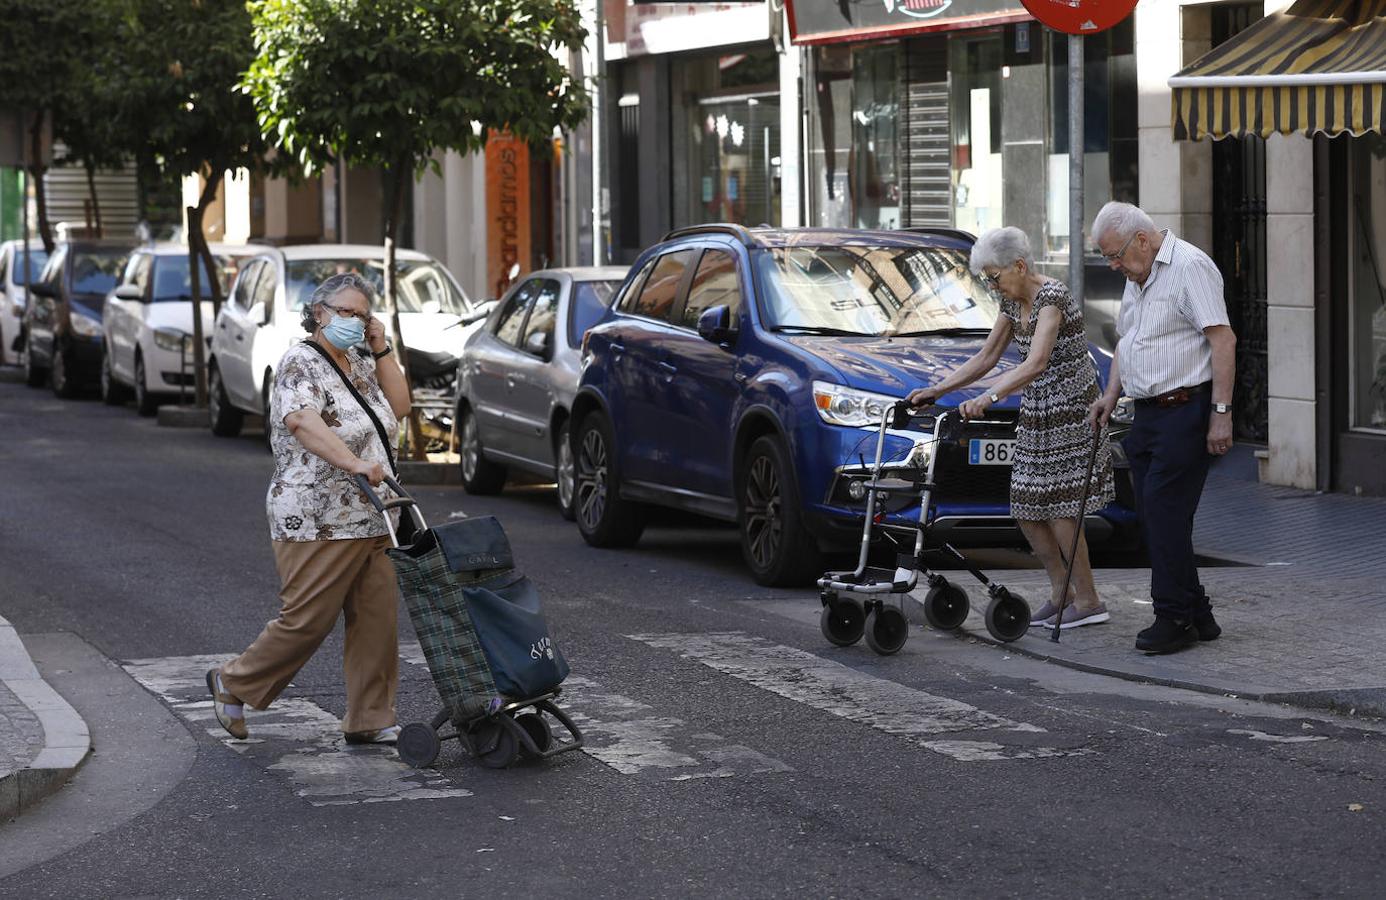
[(172, 340), (838, 405), (85, 326)]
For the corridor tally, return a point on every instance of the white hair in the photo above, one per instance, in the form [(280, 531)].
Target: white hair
[(1121, 221), (1001, 247)]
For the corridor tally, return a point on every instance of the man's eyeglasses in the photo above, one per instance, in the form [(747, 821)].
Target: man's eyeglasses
[(1114, 257), (347, 313)]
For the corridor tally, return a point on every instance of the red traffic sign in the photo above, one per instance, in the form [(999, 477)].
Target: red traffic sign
[(1080, 16)]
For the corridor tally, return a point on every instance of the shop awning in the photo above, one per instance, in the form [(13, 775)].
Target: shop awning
[(1317, 67)]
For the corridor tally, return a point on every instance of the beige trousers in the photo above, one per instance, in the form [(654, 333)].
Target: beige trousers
[(321, 580)]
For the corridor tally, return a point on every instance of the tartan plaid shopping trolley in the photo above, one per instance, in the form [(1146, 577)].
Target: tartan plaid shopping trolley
[(486, 643)]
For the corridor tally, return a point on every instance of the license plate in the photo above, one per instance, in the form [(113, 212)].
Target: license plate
[(990, 452)]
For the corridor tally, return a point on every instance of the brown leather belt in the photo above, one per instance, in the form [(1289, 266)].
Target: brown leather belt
[(1176, 397)]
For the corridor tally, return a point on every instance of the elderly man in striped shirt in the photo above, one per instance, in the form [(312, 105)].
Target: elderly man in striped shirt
[(1176, 356)]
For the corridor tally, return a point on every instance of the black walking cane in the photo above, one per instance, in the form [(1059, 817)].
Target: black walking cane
[(1078, 531)]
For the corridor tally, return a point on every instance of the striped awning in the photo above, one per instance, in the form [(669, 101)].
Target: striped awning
[(1317, 67)]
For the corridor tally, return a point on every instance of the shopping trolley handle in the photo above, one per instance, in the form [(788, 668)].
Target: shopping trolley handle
[(399, 501)]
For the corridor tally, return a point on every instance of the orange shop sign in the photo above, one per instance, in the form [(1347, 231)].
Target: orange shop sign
[(507, 209)]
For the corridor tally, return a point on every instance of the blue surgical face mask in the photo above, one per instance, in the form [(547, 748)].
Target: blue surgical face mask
[(344, 332)]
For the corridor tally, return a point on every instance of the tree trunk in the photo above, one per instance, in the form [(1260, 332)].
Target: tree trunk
[(197, 249), (394, 197), (95, 201), (36, 169), (210, 267)]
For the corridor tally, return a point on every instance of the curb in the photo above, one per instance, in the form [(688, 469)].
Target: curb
[(413, 472), (66, 738), (182, 417), (11, 375)]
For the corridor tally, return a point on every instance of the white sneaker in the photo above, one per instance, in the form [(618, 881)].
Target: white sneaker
[(1075, 619), (383, 736)]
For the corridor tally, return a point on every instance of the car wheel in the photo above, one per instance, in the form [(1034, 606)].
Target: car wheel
[(777, 547), (224, 418), (604, 519), (112, 392), (479, 475), (34, 376), (58, 377), (565, 472), (146, 404)]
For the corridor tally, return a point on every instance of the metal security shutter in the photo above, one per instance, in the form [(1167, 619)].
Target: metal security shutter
[(67, 195), (924, 136)]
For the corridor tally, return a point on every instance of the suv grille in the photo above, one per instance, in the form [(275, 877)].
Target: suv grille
[(959, 482)]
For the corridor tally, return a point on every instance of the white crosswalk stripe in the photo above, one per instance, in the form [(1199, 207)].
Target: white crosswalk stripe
[(296, 739), (845, 692)]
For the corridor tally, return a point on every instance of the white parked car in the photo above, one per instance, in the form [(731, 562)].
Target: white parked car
[(261, 319), (12, 294), (147, 323)]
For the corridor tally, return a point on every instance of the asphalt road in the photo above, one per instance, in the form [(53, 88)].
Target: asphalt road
[(731, 750)]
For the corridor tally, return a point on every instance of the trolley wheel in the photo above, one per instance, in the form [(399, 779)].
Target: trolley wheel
[(1007, 617), (842, 622), (886, 630), (946, 606), (418, 745), (537, 727), (495, 746)]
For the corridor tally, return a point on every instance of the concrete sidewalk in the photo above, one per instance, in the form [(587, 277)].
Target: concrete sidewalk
[(42, 739), (1304, 624)]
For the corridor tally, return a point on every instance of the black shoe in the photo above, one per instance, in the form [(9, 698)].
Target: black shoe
[(1166, 636), (1207, 627)]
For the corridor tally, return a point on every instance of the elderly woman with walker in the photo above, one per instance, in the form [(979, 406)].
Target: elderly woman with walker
[(334, 414), (1052, 460)]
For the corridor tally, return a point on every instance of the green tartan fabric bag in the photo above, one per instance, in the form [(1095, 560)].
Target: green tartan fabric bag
[(433, 594)]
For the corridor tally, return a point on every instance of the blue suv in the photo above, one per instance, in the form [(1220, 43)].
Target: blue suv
[(741, 374)]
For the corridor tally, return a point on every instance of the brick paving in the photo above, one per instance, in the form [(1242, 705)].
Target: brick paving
[(21, 735)]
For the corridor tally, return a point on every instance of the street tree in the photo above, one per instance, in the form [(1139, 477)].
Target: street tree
[(388, 83)]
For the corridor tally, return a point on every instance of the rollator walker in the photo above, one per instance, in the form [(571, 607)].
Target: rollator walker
[(855, 603)]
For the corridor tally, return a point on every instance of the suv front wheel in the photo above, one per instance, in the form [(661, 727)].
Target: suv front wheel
[(777, 547), (604, 519)]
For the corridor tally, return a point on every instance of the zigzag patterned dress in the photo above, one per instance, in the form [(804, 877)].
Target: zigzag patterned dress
[(1053, 440)]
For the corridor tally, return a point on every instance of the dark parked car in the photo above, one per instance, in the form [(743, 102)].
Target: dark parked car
[(742, 373), (62, 324)]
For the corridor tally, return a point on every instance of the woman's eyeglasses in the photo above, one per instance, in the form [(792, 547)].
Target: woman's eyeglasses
[(347, 312)]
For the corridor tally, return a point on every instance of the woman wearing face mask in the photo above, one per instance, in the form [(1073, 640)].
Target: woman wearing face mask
[(328, 540)]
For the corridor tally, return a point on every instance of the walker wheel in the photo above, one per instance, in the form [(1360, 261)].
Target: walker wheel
[(494, 746), (946, 606), (418, 745), (1008, 616), (886, 630), (842, 622), (537, 727)]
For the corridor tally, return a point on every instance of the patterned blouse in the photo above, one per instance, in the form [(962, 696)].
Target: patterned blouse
[(309, 498)]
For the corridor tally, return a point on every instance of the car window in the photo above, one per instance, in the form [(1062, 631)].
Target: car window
[(172, 279), (52, 274), (656, 300), (264, 287), (97, 271), (512, 317), (15, 263), (245, 284), (590, 299), (543, 311), (714, 284), (137, 271), (419, 282), (627, 302)]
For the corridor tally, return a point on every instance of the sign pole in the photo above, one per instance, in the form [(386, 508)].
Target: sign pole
[(1075, 168), (598, 123)]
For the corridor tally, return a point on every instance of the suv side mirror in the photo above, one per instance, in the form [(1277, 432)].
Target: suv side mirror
[(715, 325), (478, 312), (129, 292), (43, 289), (538, 344)]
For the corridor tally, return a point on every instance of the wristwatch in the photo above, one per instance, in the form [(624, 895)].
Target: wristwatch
[(389, 348), (1222, 409), (993, 398)]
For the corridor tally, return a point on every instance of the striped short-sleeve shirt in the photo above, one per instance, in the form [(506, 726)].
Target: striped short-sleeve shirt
[(1161, 344)]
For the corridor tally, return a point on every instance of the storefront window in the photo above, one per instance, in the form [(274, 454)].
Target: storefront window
[(1367, 326), (1110, 142), (974, 73), (731, 116), (854, 146)]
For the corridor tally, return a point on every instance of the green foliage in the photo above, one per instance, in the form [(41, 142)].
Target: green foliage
[(388, 82), (39, 41)]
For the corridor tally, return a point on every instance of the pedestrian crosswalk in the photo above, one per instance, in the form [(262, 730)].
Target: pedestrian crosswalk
[(301, 742)]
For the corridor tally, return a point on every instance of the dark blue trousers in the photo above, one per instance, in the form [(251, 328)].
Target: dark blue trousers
[(1168, 450)]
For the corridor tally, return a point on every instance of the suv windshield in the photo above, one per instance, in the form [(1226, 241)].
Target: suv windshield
[(850, 290), (422, 286), (97, 271)]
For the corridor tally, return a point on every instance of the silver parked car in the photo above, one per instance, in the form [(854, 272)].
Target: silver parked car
[(518, 376)]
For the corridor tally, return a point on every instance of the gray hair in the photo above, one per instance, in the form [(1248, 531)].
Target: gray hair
[(329, 289), (1001, 247), (1121, 220)]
